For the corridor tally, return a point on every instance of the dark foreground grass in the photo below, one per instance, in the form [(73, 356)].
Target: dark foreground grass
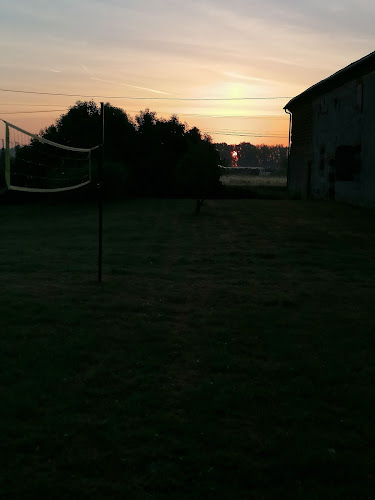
[(226, 355)]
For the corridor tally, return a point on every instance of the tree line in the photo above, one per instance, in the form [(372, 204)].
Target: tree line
[(248, 155)]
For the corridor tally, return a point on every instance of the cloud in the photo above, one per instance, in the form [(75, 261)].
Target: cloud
[(344, 17), (183, 48)]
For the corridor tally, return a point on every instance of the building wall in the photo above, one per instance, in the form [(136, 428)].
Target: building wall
[(300, 159), (368, 141), (344, 139)]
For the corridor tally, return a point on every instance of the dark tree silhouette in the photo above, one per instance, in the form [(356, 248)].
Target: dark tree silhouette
[(79, 127), (174, 160), (198, 171)]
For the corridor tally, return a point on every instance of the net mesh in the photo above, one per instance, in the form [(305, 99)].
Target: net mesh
[(35, 164)]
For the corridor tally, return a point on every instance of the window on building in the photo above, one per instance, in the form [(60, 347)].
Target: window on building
[(348, 163)]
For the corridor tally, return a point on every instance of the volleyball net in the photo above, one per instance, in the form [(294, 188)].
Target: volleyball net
[(35, 164)]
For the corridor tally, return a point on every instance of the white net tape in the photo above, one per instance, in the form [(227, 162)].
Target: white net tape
[(35, 164)]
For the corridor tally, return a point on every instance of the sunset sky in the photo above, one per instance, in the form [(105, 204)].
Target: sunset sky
[(172, 53)]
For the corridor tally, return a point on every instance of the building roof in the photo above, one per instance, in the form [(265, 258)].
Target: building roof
[(355, 70)]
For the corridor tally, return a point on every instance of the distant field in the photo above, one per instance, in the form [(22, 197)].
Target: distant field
[(252, 180), (226, 355)]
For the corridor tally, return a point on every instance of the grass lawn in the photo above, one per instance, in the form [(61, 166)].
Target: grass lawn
[(256, 186), (225, 355)]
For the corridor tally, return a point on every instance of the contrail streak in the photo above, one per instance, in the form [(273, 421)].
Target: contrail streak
[(131, 86), (244, 77)]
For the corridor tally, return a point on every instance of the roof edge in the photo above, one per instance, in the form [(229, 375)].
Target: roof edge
[(330, 79)]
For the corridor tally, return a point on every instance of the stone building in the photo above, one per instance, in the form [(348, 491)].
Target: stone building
[(332, 132)]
